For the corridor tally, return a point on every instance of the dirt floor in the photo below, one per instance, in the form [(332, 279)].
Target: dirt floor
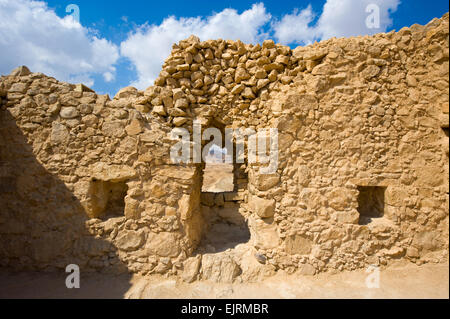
[(218, 178), (397, 281)]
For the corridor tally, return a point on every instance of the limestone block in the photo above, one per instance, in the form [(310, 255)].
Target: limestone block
[(20, 71), (178, 121), (298, 244), (69, 112), (159, 109), (129, 240), (132, 210), (134, 128), (59, 134), (163, 244), (341, 198), (185, 207), (191, 268), (264, 182), (112, 173), (307, 270), (18, 88), (219, 268), (264, 234), (126, 92), (264, 208)]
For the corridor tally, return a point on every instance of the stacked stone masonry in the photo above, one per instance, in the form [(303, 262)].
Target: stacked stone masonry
[(362, 121)]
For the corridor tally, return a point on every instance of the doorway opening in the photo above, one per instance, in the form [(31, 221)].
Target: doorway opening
[(223, 187), (218, 173)]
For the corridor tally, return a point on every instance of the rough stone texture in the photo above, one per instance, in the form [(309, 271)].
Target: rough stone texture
[(88, 180), (221, 268), (191, 268)]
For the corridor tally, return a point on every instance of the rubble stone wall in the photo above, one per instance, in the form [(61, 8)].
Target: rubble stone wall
[(362, 121)]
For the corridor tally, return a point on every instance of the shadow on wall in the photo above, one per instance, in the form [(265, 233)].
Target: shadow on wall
[(42, 224), (226, 227)]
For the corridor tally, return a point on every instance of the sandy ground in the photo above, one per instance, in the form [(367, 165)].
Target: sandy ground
[(218, 178), (397, 281)]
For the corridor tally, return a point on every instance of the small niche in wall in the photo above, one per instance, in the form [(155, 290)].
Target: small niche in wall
[(108, 198), (116, 199), (445, 129), (370, 203)]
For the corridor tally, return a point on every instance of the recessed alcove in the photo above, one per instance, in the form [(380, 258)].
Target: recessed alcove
[(108, 198), (370, 203)]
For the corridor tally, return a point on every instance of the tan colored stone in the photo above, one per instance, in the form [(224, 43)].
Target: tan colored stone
[(163, 244), (297, 244), (129, 240), (264, 208), (191, 268), (20, 71), (134, 128), (219, 269)]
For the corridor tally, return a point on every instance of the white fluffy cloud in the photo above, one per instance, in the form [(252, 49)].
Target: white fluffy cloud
[(344, 18), (294, 28), (150, 45), (31, 34), (339, 18)]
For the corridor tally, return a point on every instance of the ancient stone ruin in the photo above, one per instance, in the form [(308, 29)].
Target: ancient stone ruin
[(362, 176)]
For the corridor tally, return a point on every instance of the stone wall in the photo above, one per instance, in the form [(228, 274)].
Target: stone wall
[(362, 121)]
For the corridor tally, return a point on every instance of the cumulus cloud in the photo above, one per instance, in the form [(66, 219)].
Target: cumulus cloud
[(150, 45), (339, 18), (294, 28), (31, 34), (344, 18)]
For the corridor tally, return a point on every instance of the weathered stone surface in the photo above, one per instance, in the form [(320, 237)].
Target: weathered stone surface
[(264, 208), (134, 128), (297, 244), (191, 268), (20, 71), (264, 234), (129, 240), (69, 113), (60, 133), (112, 173), (220, 268), (126, 93), (163, 244)]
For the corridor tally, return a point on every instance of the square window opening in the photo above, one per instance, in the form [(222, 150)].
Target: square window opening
[(370, 203)]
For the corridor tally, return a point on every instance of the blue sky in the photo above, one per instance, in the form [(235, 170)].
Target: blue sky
[(121, 43)]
